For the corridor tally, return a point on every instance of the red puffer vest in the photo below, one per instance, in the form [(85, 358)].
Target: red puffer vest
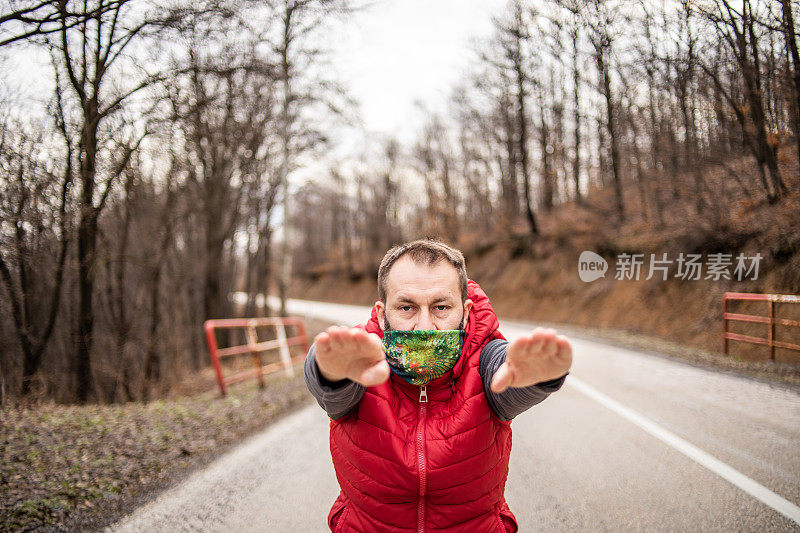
[(407, 462)]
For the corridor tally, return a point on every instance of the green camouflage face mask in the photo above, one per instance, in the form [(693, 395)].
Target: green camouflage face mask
[(420, 356)]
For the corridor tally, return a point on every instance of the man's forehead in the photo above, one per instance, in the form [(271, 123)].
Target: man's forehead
[(413, 279)]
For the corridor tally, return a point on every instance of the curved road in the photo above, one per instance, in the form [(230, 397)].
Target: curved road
[(633, 442)]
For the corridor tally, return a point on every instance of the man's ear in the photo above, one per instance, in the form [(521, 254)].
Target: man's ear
[(467, 309), (381, 310)]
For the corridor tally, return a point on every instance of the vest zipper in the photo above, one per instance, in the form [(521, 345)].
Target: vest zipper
[(423, 405)]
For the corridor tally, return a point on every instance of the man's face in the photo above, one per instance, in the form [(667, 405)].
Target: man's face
[(423, 297)]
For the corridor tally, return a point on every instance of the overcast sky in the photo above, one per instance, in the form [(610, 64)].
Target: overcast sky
[(402, 51), (391, 56)]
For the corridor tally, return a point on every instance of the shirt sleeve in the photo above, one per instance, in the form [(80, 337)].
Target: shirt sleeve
[(513, 401), (336, 397)]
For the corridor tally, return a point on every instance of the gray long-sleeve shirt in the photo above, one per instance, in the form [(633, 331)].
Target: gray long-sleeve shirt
[(338, 398)]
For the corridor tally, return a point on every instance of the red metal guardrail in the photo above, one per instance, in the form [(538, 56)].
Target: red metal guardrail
[(770, 320), (254, 347)]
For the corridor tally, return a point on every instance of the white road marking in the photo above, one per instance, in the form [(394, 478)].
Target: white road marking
[(753, 488)]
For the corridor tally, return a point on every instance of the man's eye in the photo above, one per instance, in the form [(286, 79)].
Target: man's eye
[(405, 308), (442, 307)]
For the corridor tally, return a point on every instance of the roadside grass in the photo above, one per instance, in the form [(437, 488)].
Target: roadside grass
[(70, 467), (57, 460)]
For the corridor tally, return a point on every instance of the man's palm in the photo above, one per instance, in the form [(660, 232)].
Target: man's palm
[(353, 354), (541, 356)]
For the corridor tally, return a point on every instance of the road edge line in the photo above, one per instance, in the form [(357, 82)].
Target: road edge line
[(725, 471)]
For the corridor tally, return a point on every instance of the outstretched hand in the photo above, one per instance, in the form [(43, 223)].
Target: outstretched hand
[(540, 356), (351, 353)]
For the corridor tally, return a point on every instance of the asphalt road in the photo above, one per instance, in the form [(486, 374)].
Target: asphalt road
[(632, 442)]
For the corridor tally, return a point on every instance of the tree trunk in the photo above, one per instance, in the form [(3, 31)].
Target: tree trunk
[(605, 74), (212, 296), (576, 78), (656, 151), (152, 365), (510, 179), (752, 78), (118, 301), (286, 260), (522, 138), (87, 246), (548, 188), (450, 201)]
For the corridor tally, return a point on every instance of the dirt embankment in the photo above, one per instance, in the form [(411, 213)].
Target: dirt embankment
[(536, 279), (681, 319)]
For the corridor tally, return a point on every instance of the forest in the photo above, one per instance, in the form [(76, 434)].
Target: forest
[(174, 162)]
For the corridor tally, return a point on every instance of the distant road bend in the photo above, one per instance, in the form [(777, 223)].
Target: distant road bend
[(633, 441)]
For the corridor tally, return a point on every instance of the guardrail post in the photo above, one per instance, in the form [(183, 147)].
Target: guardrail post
[(302, 331), (771, 329), (286, 357), (252, 340), (725, 324), (211, 340)]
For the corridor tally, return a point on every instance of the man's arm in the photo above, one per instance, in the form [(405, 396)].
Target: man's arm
[(340, 364), (512, 401), (336, 397)]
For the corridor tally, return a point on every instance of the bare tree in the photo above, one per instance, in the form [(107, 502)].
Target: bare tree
[(738, 30), (87, 40), (791, 36), (300, 19), (34, 225), (434, 155), (514, 37), (575, 36), (227, 150)]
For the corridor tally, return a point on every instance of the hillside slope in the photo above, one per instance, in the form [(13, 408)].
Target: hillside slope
[(537, 278)]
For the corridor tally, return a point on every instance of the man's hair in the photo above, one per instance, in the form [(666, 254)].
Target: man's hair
[(425, 252)]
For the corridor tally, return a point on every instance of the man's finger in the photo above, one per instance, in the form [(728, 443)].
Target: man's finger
[(549, 347), (525, 346), (323, 342), (538, 338), (502, 378), (338, 339), (360, 338), (352, 335), (563, 344), (564, 349)]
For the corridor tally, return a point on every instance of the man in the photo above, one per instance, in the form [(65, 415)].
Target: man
[(421, 399)]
